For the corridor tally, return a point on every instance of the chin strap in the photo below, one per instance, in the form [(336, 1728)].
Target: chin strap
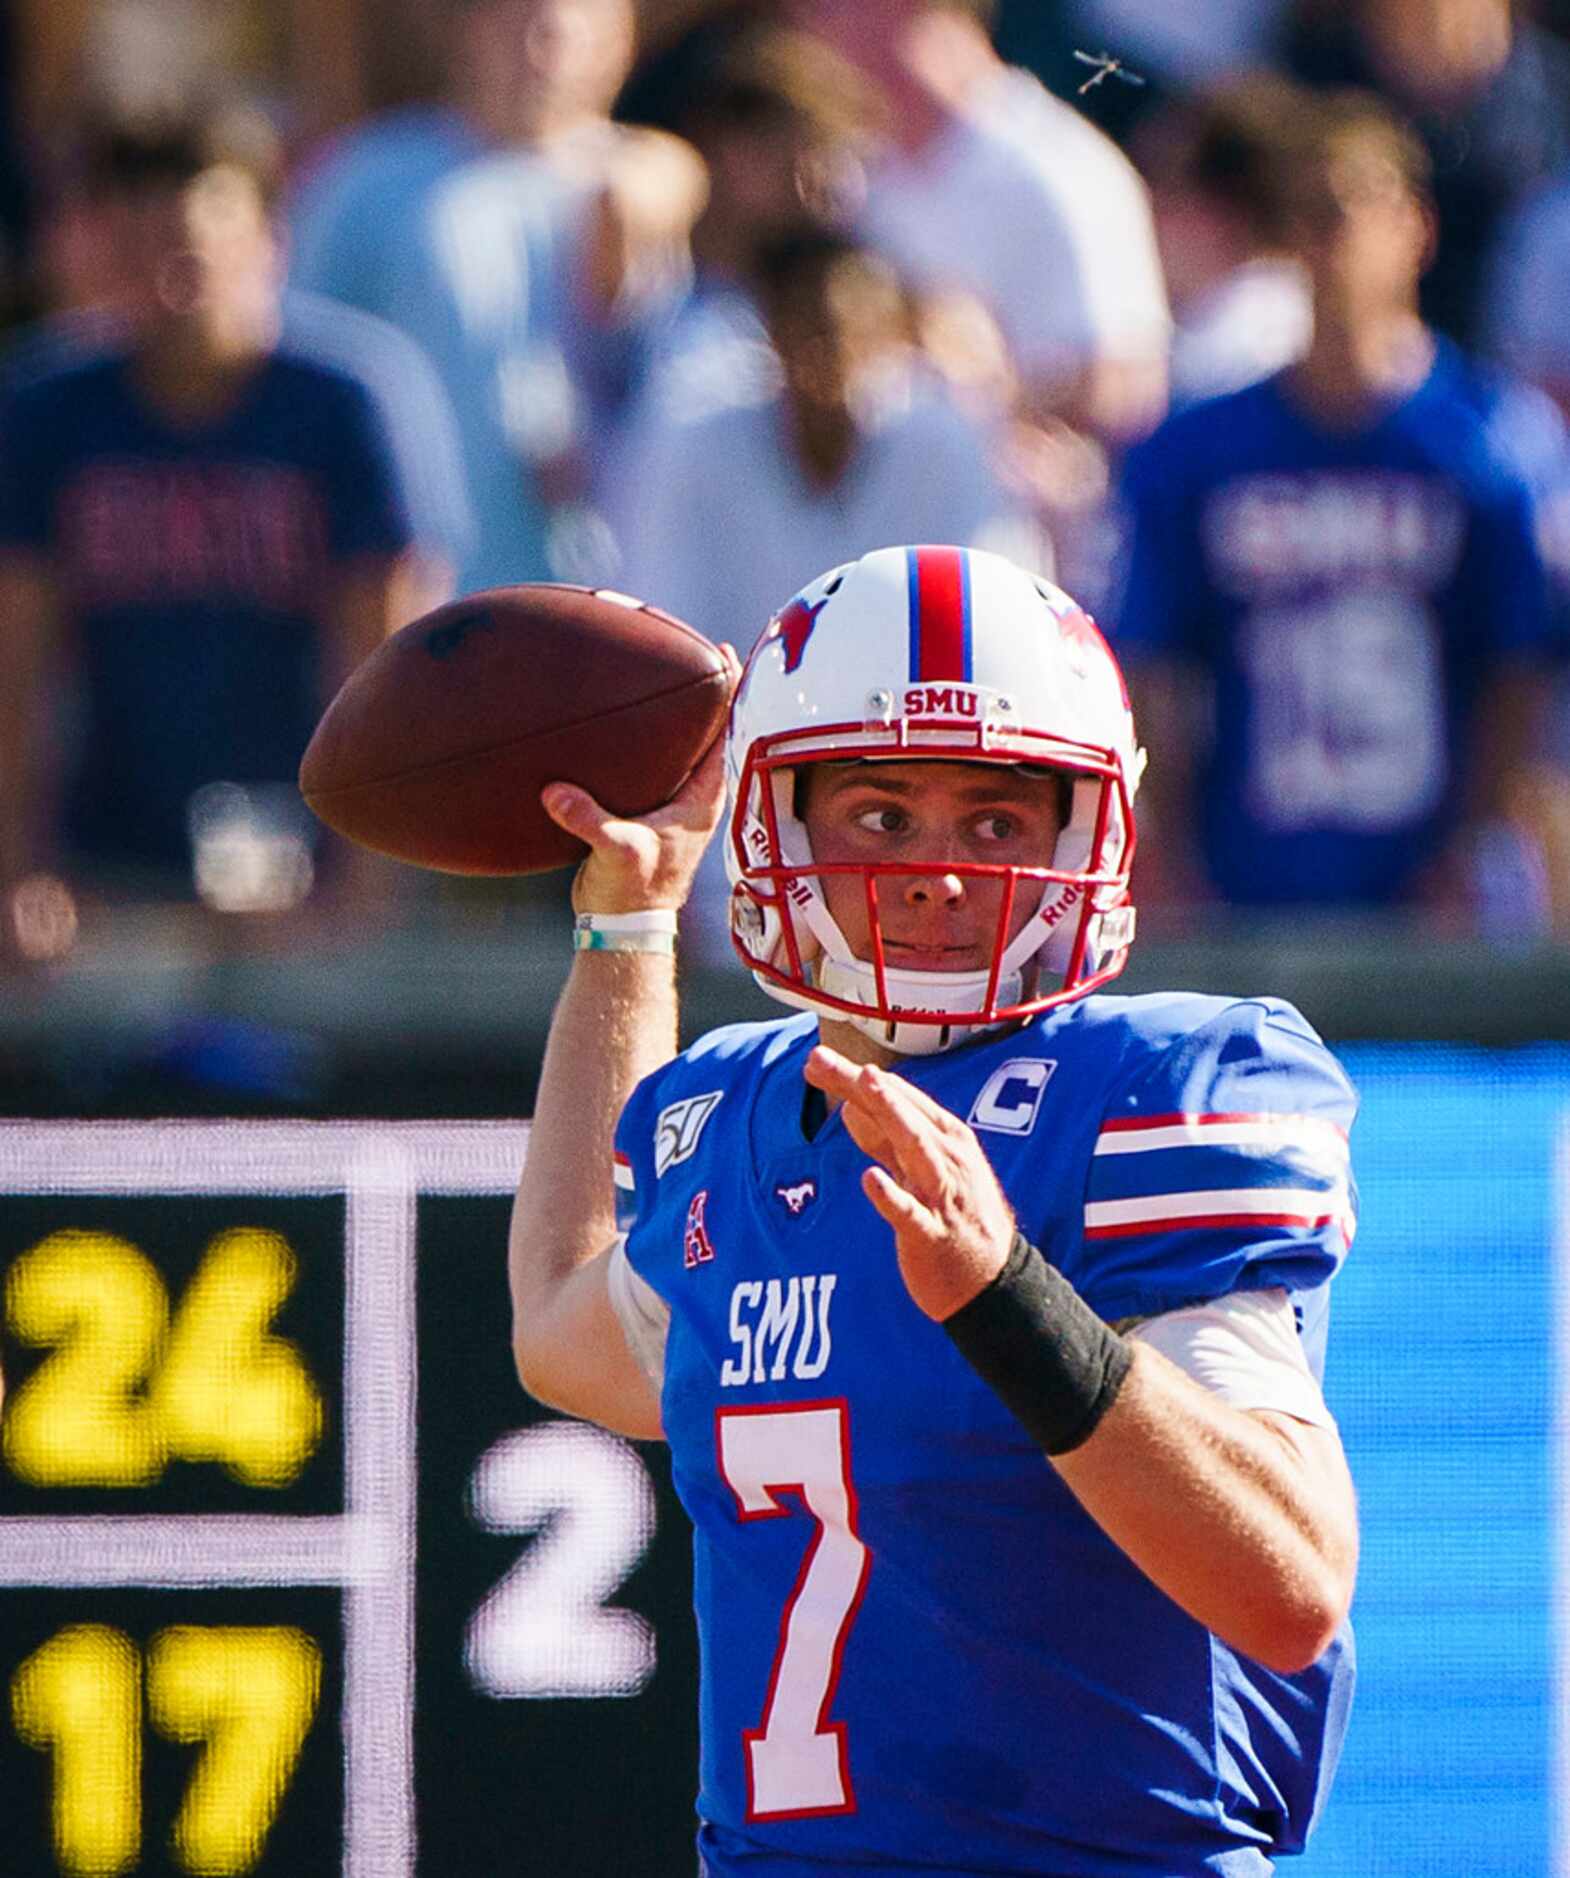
[(930, 991)]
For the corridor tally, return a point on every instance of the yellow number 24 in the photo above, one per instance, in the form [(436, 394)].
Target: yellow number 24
[(127, 1391)]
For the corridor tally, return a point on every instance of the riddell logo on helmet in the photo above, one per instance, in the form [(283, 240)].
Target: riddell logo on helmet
[(1050, 915), (941, 701)]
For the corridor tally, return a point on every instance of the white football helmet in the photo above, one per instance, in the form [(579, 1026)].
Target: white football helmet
[(915, 653)]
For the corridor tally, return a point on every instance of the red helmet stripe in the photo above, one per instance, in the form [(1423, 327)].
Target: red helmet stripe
[(939, 614)]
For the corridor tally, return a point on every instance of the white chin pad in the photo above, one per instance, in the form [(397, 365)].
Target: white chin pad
[(921, 991)]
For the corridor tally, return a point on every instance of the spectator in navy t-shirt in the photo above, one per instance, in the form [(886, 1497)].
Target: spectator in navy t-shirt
[(203, 527), (1335, 598)]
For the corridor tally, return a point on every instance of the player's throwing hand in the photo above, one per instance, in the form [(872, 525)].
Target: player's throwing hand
[(650, 861), (931, 1182)]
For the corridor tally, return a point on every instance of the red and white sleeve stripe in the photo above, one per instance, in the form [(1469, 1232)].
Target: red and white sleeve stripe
[(1295, 1168)]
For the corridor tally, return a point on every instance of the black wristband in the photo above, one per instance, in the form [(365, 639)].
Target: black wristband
[(1042, 1349)]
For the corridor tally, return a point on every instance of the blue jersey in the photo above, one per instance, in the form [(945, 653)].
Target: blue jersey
[(414, 410), (919, 1652), (487, 285), (377, 176), (1349, 593), (195, 566)]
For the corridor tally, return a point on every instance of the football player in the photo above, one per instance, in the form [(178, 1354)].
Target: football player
[(983, 1311)]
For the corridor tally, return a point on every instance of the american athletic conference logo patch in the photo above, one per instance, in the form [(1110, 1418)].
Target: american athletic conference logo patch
[(697, 1248)]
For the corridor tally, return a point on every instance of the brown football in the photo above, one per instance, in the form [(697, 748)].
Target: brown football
[(437, 746)]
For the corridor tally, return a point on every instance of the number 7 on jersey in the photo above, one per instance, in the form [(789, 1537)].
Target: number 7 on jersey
[(798, 1762)]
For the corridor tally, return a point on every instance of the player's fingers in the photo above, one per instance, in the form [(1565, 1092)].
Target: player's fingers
[(840, 1080), (894, 1122), (904, 1143), (827, 1070), (574, 809), (882, 1098), (916, 1101), (845, 1081), (869, 1134), (910, 1219), (899, 1102), (577, 811), (914, 1124), (919, 1158)]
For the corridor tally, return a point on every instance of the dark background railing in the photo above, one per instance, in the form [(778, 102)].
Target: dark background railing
[(449, 1017)]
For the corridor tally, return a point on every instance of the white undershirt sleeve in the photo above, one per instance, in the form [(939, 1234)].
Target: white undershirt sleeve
[(640, 1310), (1244, 1348)]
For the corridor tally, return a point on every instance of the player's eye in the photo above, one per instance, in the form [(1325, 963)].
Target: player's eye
[(997, 827), (883, 818)]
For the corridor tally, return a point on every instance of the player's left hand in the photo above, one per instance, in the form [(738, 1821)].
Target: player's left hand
[(931, 1181)]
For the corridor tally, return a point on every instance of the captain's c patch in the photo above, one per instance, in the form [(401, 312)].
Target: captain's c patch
[(1011, 1098)]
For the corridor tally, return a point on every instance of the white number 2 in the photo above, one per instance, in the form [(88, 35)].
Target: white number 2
[(547, 1629), (798, 1761)]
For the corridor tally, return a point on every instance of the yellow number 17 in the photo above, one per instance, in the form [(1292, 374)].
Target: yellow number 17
[(250, 1694)]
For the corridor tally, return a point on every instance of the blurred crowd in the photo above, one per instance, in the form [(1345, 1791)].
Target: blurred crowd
[(1246, 321)]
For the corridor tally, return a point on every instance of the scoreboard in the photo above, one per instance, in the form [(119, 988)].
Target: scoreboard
[(293, 1577)]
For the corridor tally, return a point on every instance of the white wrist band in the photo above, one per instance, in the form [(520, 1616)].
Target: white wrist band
[(653, 930)]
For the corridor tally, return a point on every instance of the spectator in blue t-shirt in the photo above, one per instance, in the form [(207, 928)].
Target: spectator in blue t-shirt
[(1335, 600), (204, 525), (530, 247), (361, 196)]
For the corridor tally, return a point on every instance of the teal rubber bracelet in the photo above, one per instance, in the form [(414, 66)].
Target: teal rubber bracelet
[(587, 939)]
